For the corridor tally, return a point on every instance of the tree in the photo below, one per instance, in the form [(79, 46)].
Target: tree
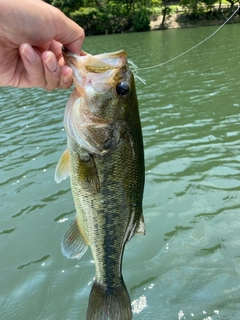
[(165, 11), (107, 16), (67, 6), (232, 2), (141, 19), (209, 3), (193, 7)]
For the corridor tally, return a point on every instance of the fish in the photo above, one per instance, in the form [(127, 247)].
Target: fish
[(105, 161)]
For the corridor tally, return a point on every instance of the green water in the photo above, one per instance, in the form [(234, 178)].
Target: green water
[(188, 264)]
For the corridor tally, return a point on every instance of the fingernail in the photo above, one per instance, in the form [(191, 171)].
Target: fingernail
[(51, 63), (67, 75), (29, 53)]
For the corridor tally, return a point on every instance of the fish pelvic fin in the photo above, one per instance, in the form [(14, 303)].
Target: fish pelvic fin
[(63, 167), (109, 304), (73, 244)]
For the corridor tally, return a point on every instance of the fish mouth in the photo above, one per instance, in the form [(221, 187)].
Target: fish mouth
[(96, 70), (96, 64), (70, 57)]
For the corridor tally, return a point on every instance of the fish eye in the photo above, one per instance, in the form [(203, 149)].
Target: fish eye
[(122, 89)]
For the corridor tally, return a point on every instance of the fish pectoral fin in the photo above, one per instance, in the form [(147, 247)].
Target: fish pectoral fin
[(88, 175), (73, 244), (141, 226), (62, 171)]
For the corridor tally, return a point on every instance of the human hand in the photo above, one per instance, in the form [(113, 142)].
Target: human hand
[(31, 37)]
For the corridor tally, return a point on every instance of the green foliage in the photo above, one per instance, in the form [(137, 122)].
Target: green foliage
[(114, 16), (141, 20), (192, 6), (102, 20), (232, 2), (86, 17), (166, 11), (107, 16), (209, 3), (67, 6), (205, 10)]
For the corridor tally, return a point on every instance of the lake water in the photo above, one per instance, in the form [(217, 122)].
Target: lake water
[(188, 264)]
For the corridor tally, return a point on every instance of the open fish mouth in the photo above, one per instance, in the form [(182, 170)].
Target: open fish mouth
[(97, 63), (98, 71)]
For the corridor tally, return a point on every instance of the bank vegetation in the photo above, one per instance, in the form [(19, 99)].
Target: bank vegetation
[(115, 16)]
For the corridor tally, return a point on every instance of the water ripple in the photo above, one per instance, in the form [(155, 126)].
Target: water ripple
[(187, 265)]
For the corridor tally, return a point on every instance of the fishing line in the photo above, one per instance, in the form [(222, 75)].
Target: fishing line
[(194, 47)]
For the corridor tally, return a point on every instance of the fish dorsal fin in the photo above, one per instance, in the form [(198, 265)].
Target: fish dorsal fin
[(62, 169), (73, 244), (141, 227)]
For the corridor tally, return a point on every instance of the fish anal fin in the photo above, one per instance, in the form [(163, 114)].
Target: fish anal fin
[(73, 245), (63, 167)]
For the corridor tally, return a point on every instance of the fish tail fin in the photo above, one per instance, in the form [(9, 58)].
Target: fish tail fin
[(109, 303)]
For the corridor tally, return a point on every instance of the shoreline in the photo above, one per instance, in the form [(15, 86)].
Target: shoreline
[(177, 21)]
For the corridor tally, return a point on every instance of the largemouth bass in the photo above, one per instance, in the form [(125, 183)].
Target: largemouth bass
[(105, 162)]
